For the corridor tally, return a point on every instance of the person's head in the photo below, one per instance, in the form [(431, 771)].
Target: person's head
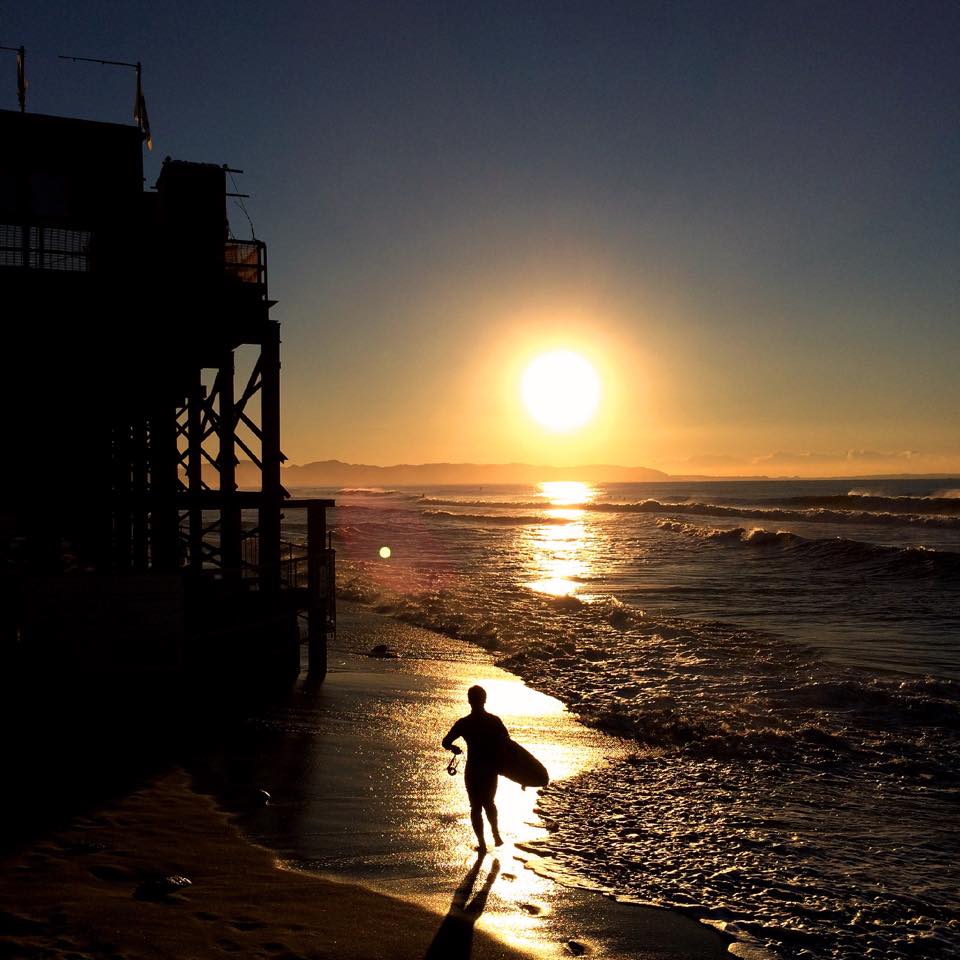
[(477, 697)]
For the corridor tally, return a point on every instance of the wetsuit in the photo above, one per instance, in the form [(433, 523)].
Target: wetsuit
[(484, 733)]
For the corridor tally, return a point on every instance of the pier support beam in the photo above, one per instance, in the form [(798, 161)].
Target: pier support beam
[(268, 520), (230, 529), (317, 589), (195, 484), (164, 522)]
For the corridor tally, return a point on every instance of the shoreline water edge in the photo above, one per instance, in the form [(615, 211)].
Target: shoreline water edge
[(410, 887), (791, 692), (787, 774)]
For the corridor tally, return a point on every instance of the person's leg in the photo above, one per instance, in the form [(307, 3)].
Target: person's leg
[(491, 809), (476, 818), (476, 794)]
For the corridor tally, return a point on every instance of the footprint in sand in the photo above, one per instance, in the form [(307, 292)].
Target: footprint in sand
[(14, 925), (162, 889), (112, 873), (75, 847)]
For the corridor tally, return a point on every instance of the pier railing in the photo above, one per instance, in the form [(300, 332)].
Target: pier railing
[(223, 538), (38, 247), (246, 261)]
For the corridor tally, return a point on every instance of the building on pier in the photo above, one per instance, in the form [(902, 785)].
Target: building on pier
[(141, 363)]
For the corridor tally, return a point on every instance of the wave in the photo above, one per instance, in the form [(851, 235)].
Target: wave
[(704, 688), (506, 504), (729, 727), (777, 705), (835, 550), (944, 503), (367, 491), (505, 519), (815, 514)]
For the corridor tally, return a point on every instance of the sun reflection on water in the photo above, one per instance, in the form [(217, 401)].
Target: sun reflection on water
[(558, 549), (565, 493), (521, 899)]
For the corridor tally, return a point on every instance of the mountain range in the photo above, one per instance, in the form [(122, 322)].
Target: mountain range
[(336, 473)]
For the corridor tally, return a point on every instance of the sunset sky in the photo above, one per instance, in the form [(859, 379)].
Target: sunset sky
[(744, 215)]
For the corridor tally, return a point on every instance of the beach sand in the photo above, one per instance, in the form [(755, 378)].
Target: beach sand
[(73, 895), (358, 791)]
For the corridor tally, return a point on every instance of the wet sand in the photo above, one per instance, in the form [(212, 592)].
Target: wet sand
[(359, 789), (358, 794)]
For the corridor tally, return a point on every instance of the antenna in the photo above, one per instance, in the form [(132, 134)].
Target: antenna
[(21, 53), (229, 171), (139, 104)]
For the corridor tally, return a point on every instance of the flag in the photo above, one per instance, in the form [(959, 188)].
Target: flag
[(21, 80), (140, 113)]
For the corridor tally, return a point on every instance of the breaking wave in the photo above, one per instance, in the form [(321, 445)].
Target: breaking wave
[(367, 492), (505, 519), (920, 516), (856, 500), (806, 799), (836, 550)]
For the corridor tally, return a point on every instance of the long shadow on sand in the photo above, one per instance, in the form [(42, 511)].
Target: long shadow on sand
[(454, 939)]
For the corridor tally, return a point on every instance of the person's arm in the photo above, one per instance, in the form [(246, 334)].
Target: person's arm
[(454, 734)]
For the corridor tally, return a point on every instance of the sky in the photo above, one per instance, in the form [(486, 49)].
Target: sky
[(744, 215)]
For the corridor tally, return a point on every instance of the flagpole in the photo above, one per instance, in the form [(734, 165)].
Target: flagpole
[(140, 107), (21, 53), (139, 98)]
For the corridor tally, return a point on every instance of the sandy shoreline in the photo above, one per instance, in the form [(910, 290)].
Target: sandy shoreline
[(73, 893)]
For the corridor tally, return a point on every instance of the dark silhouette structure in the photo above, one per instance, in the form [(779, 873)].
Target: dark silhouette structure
[(124, 539)]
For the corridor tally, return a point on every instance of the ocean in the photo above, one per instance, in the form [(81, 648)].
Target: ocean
[(782, 656)]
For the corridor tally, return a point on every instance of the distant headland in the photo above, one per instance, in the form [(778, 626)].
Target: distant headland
[(331, 473), (337, 473)]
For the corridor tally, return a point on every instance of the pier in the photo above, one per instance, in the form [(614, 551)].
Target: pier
[(143, 365)]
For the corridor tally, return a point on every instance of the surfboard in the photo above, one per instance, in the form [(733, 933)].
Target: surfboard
[(521, 766)]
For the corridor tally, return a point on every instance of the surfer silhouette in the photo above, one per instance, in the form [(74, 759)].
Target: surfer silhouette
[(485, 735)]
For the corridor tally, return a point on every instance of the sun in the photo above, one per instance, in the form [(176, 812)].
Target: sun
[(560, 390)]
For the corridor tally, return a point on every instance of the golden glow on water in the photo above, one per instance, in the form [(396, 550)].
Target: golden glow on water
[(506, 697), (378, 803), (566, 493), (554, 586), (540, 723), (558, 559), (521, 898), (558, 550)]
